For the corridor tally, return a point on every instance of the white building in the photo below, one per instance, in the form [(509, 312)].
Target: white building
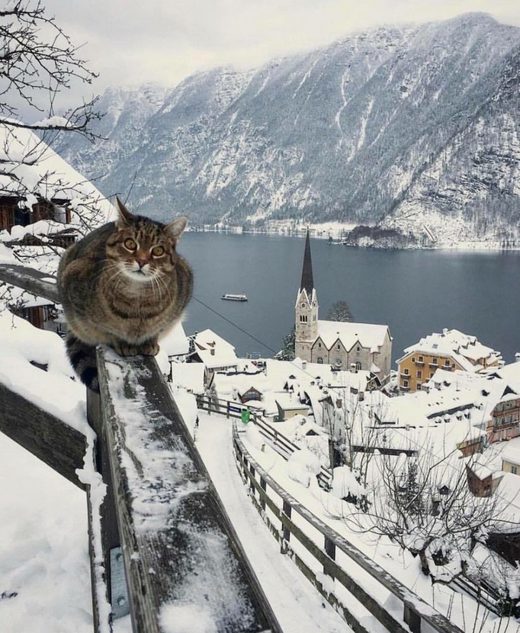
[(358, 346)]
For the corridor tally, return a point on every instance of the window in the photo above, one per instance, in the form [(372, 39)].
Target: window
[(358, 365), (435, 360), (514, 470), (421, 359), (419, 374), (405, 383), (320, 360), (447, 363), (407, 371), (303, 318)]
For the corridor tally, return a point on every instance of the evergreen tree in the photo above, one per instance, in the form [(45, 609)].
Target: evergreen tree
[(288, 342)]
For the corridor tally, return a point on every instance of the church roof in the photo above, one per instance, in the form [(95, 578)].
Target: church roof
[(307, 282), (369, 335)]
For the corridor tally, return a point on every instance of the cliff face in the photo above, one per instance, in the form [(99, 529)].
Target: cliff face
[(404, 127)]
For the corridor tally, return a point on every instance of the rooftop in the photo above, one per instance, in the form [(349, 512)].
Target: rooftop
[(367, 334), (463, 348)]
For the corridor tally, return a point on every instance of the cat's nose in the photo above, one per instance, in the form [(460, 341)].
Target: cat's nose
[(142, 260)]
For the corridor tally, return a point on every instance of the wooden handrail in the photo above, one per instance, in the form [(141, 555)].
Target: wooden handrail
[(31, 280), (178, 546)]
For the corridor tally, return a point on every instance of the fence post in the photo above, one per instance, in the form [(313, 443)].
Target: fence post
[(286, 533), (411, 617), (330, 550), (263, 485)]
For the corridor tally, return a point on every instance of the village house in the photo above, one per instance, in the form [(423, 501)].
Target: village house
[(214, 352), (511, 458), (16, 211), (482, 480), (289, 406), (344, 345), (450, 350)]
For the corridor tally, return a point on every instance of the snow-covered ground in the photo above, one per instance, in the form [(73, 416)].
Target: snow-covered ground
[(44, 562)]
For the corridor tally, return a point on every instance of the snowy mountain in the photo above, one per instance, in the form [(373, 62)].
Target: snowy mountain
[(402, 127)]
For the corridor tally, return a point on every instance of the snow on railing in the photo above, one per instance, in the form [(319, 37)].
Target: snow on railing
[(350, 581)]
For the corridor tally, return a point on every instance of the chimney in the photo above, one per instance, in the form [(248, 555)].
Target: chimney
[(304, 364)]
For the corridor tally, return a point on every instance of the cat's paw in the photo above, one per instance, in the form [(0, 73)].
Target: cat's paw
[(151, 348), (126, 349)]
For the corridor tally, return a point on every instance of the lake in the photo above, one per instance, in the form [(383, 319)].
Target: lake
[(414, 292)]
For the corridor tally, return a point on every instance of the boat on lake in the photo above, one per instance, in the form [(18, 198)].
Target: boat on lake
[(232, 297)]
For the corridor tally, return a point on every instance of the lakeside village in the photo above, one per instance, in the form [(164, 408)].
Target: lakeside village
[(419, 468)]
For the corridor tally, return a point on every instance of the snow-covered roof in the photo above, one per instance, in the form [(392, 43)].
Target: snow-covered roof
[(49, 177), (290, 402), (464, 349), (511, 452), (367, 334), (190, 376), (175, 343), (214, 351)]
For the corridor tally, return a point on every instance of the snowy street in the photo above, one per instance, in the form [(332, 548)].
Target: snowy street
[(297, 605)]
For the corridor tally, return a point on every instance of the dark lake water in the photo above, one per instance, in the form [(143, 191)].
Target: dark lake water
[(414, 292)]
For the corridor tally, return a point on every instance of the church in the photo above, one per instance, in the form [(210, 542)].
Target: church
[(344, 345)]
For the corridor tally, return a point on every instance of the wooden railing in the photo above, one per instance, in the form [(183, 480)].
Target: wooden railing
[(167, 543), (277, 440), (348, 579)]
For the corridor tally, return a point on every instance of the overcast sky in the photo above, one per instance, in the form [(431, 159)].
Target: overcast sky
[(133, 41)]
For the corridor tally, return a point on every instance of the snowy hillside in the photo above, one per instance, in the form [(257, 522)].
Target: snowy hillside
[(402, 126)]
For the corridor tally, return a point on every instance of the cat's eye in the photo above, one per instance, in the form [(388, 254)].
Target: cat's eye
[(158, 251), (130, 244)]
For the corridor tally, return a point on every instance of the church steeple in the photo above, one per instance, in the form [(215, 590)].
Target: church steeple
[(306, 308), (307, 282)]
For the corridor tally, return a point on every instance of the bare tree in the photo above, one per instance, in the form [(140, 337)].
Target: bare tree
[(340, 311), (38, 63), (423, 503), (354, 437)]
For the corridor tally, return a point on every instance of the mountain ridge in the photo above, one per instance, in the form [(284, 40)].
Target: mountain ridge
[(395, 126)]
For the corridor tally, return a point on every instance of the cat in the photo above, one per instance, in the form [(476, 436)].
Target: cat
[(123, 285)]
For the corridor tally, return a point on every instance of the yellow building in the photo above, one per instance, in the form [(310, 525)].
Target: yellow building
[(448, 350)]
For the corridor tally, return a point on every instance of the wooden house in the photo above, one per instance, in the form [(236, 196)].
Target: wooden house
[(41, 313), (13, 211), (250, 394)]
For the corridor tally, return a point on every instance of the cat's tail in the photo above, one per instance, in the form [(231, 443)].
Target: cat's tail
[(83, 359)]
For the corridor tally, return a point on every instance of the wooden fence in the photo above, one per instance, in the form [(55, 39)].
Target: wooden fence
[(350, 581), (167, 543), (277, 440)]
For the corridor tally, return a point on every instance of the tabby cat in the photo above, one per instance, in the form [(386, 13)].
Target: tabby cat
[(123, 285)]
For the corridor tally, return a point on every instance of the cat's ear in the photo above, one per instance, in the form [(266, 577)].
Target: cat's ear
[(175, 228), (125, 217)]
